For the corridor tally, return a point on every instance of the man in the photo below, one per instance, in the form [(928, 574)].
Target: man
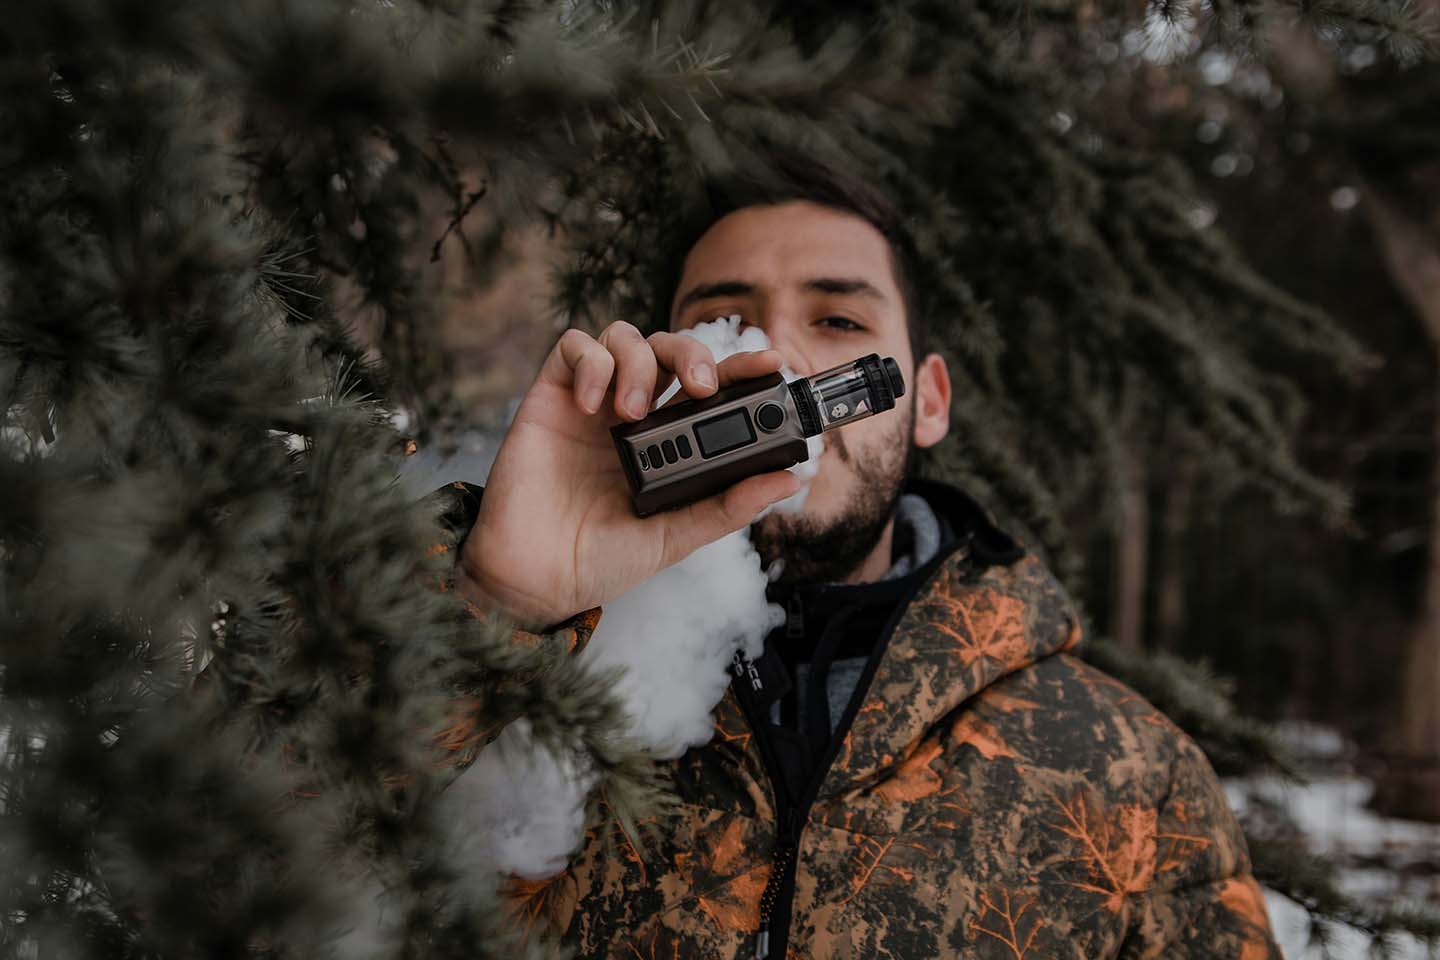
[(917, 766)]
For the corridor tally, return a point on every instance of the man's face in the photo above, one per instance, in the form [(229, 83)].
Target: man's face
[(820, 283)]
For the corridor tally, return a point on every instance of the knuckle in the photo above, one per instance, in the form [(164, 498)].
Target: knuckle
[(597, 356), (621, 330), (573, 337), (686, 351)]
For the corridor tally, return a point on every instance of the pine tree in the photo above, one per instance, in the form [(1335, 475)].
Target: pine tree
[(220, 225)]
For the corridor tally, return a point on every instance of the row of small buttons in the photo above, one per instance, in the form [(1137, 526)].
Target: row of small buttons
[(651, 456)]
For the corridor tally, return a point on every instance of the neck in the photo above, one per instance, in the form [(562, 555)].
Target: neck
[(873, 567)]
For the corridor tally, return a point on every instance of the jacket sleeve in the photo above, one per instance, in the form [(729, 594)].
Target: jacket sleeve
[(463, 736), (1203, 900)]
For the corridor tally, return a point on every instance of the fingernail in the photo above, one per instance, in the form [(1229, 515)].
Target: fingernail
[(635, 402), (593, 398), (704, 374)]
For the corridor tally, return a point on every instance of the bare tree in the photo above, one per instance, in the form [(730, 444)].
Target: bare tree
[(1410, 786)]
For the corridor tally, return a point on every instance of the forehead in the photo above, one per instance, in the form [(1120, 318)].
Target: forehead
[(788, 244)]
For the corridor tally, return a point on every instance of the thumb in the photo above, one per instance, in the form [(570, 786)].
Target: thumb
[(705, 521)]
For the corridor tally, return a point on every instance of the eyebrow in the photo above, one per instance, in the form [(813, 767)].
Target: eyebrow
[(845, 286), (709, 291), (738, 288)]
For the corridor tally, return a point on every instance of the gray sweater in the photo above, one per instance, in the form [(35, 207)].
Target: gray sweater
[(917, 524)]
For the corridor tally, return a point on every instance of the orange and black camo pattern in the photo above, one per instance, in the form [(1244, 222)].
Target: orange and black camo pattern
[(995, 798)]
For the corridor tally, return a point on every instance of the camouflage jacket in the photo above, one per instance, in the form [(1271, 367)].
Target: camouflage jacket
[(987, 795)]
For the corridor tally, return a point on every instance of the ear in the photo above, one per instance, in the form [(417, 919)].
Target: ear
[(932, 401)]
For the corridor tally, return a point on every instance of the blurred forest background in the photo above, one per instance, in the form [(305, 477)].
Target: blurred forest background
[(1184, 261)]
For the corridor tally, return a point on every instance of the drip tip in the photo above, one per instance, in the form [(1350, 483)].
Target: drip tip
[(892, 373)]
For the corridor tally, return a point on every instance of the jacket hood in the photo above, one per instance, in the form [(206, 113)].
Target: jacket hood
[(964, 525), (981, 609)]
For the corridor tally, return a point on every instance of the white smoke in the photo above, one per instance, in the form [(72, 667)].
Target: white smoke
[(676, 633), (520, 809)]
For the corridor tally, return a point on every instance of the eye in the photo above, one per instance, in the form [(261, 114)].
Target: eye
[(849, 324)]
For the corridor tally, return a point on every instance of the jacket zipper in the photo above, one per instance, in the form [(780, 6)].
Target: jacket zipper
[(787, 839), (780, 885), (782, 874)]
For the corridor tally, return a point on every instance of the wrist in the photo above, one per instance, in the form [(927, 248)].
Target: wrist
[(473, 588)]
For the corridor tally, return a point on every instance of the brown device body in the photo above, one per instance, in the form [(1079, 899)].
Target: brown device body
[(672, 484)]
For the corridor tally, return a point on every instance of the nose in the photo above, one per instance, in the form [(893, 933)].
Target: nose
[(782, 338)]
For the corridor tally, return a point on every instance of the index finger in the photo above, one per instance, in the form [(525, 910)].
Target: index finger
[(737, 366), (748, 365)]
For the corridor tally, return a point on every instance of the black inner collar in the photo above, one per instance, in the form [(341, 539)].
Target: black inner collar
[(830, 622)]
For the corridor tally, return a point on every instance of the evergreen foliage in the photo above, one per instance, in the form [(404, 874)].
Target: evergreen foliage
[(203, 205)]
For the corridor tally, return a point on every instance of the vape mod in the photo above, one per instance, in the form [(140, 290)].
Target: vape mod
[(699, 447)]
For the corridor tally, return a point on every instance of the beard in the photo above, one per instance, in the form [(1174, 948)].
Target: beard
[(828, 550)]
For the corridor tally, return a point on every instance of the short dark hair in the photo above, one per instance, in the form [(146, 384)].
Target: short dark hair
[(789, 178)]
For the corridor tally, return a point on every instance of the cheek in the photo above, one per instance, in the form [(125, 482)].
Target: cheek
[(873, 434)]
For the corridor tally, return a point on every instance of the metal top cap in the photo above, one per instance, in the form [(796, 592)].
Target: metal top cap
[(892, 373)]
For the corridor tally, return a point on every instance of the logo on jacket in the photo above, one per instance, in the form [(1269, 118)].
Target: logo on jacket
[(744, 667)]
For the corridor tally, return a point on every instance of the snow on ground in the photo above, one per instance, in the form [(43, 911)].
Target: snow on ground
[(1292, 930), (1378, 858)]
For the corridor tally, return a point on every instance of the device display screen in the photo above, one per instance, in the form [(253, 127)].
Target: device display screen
[(724, 433)]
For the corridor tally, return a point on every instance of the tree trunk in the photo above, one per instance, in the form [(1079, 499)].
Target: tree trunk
[(1170, 585), (1410, 784), (1132, 538)]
